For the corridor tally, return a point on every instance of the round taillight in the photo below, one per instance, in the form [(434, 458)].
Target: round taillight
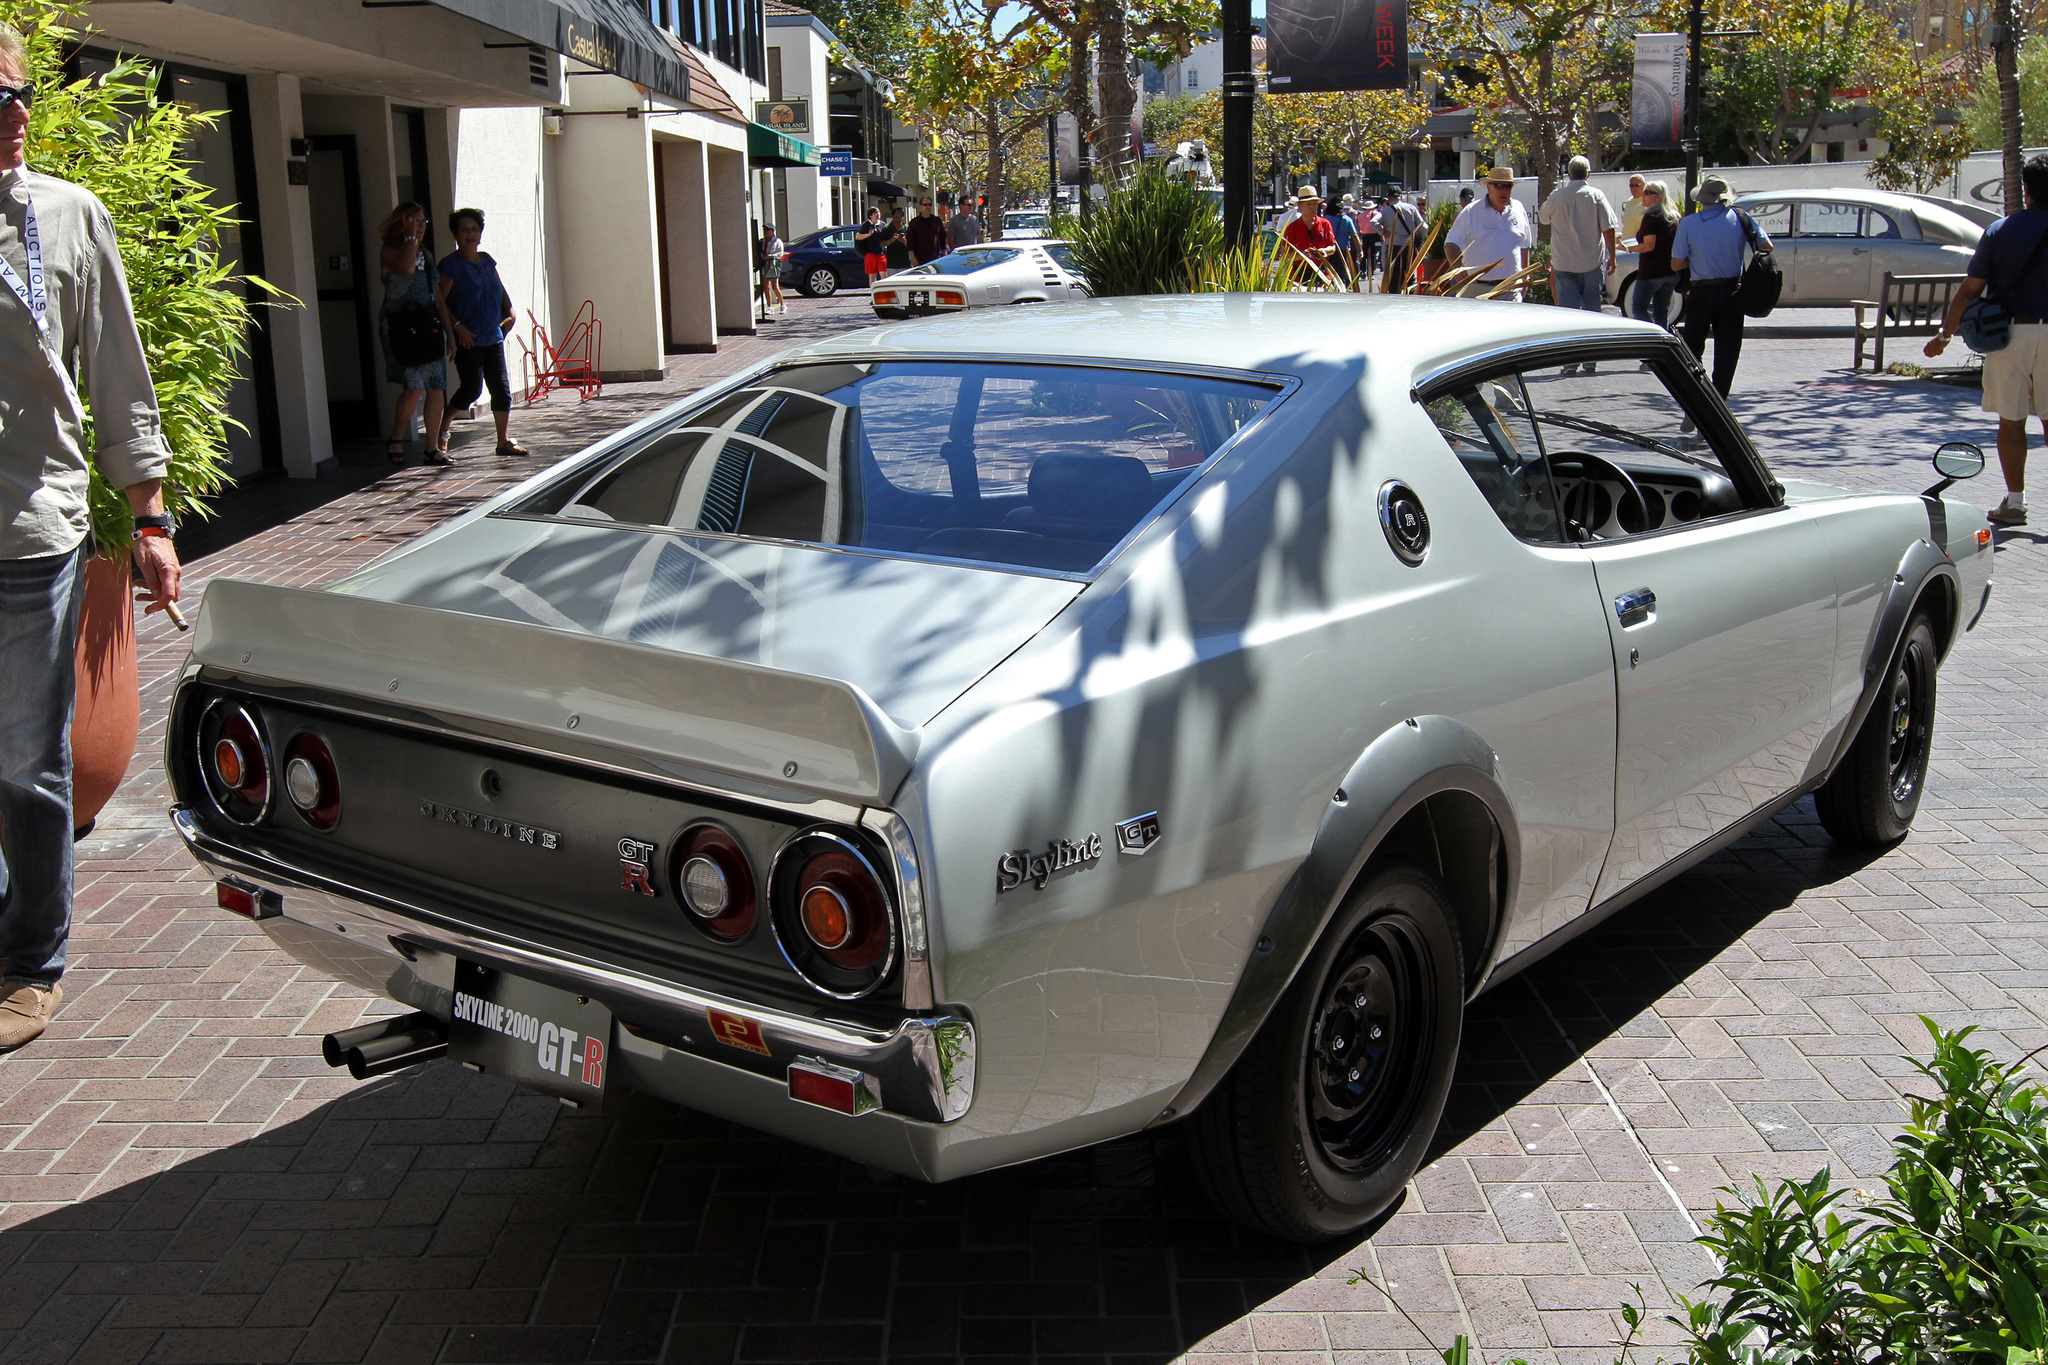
[(235, 762), (227, 763), (833, 916), (828, 919), (715, 883), (311, 783)]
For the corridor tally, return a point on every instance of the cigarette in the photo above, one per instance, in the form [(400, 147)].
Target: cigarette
[(177, 617)]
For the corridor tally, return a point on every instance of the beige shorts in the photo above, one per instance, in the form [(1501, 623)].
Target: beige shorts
[(2016, 378)]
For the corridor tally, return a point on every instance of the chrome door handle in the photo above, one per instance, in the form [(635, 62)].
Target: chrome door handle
[(1636, 608), (1859, 251)]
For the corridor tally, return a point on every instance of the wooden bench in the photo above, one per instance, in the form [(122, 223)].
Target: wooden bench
[(1910, 305)]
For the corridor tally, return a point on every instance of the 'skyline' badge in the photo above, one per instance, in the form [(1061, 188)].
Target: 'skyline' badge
[(490, 824), (1019, 866)]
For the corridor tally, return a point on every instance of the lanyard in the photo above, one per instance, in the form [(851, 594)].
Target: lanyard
[(33, 295)]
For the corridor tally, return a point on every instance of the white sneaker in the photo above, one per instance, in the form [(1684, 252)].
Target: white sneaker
[(2009, 512)]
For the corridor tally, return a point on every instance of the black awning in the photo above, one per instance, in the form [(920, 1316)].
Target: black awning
[(882, 189), (611, 35)]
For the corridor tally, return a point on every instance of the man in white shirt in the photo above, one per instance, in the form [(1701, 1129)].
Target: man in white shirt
[(1582, 226), (1493, 233)]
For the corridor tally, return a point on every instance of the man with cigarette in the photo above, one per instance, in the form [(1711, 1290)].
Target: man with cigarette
[(66, 330)]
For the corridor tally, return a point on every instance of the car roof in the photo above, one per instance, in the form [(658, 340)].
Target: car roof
[(1873, 198), (1270, 333)]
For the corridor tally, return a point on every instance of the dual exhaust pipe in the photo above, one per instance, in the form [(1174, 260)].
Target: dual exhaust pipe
[(386, 1045)]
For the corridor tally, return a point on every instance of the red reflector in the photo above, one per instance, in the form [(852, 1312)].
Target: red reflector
[(239, 899), (829, 1087)]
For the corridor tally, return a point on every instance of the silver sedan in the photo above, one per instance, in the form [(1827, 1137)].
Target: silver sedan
[(1836, 246), (1031, 271), (953, 744)]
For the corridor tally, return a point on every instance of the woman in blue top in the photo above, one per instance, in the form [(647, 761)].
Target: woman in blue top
[(479, 313)]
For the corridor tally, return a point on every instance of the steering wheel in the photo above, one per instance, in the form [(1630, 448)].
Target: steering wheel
[(1582, 464)]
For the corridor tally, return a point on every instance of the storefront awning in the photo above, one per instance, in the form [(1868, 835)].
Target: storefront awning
[(611, 35), (882, 189), (770, 147)]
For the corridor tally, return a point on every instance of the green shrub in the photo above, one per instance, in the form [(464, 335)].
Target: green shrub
[(112, 135), (1538, 288), (1148, 236)]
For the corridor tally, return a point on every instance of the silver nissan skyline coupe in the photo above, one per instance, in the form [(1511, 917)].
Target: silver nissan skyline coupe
[(966, 740)]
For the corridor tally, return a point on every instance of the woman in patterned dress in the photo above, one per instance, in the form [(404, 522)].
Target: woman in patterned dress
[(411, 281)]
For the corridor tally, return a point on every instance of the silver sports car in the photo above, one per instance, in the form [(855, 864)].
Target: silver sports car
[(970, 276), (956, 743)]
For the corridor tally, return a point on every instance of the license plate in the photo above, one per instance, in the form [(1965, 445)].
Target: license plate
[(534, 1035), (920, 298)]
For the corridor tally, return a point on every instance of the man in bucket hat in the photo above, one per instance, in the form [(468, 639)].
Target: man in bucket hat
[(1710, 242)]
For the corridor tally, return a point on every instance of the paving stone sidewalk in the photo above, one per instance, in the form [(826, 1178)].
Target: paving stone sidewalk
[(184, 1180)]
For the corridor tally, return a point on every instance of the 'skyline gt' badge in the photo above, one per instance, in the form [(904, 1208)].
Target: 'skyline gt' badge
[(1138, 834), (1015, 868), (490, 824), (635, 860)]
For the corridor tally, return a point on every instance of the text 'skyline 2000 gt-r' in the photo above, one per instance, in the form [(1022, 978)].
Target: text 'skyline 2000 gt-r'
[(965, 740)]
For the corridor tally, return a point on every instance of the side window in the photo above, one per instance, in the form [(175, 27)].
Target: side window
[(1488, 427), (1818, 219), (840, 241), (1774, 218), (1879, 224), (1623, 454)]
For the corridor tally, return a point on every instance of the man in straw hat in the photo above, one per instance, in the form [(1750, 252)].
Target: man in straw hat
[(1310, 233), (1709, 242), (1495, 234)]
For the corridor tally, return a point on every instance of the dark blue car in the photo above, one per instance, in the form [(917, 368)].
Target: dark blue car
[(824, 263)]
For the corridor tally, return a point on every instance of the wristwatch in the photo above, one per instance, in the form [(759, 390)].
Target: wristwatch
[(157, 525)]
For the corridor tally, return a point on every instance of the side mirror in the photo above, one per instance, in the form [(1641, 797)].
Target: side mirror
[(1955, 460), (1959, 460)]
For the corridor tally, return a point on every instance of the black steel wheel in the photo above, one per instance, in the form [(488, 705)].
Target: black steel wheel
[(822, 282), (1874, 793), (1319, 1126)]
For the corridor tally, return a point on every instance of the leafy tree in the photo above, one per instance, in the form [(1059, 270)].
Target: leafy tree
[(879, 34), (979, 97), (1767, 95), (111, 134), (1165, 115), (1355, 126), (1980, 119), (1915, 113)]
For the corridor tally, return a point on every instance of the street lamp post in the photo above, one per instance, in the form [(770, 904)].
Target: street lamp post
[(1240, 88), (1694, 44)]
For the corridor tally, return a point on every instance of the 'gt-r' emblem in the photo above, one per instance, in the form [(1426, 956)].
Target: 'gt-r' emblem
[(635, 858)]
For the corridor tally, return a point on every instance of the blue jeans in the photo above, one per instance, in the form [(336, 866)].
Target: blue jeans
[(1580, 289), (1652, 299), (39, 603)]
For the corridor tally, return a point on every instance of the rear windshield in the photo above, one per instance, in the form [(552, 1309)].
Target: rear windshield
[(966, 261), (1045, 467)]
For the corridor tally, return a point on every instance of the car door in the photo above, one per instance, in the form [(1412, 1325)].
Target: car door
[(1834, 260), (1720, 605), (1892, 237)]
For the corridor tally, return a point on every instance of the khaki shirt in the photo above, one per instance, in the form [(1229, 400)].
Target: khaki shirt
[(1578, 215), (91, 344)]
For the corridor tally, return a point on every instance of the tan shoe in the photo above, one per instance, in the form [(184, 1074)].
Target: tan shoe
[(25, 1011)]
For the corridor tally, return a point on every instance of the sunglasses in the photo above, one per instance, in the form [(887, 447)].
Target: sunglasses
[(25, 95)]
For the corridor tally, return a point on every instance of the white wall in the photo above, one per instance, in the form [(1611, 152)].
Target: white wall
[(603, 177), (498, 168), (367, 118), (806, 74)]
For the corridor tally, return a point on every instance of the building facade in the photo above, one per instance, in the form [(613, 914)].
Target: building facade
[(609, 144)]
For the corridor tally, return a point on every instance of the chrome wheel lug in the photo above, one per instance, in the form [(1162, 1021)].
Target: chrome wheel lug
[(1377, 1031)]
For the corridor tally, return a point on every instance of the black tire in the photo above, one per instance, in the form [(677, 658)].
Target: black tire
[(1874, 792), (1295, 1142), (821, 283)]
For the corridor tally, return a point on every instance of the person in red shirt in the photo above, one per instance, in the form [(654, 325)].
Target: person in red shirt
[(1311, 234)]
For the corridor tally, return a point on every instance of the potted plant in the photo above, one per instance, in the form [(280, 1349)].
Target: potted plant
[(111, 134)]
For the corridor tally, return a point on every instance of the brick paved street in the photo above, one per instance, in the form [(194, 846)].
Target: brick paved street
[(184, 1180)]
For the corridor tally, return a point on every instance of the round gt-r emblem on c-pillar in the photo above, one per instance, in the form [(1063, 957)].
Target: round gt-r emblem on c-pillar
[(1404, 521)]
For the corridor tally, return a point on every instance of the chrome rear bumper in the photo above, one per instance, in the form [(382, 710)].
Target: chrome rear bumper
[(922, 1069)]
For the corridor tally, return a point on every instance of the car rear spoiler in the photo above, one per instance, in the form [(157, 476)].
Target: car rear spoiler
[(758, 723)]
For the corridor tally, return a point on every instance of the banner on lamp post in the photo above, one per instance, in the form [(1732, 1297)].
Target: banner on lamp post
[(1657, 93), (1314, 45)]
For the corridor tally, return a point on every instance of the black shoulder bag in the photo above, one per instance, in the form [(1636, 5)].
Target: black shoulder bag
[(416, 336), (1987, 322), (1762, 281)]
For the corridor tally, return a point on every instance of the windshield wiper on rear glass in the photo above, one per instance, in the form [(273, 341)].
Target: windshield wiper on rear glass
[(1587, 424)]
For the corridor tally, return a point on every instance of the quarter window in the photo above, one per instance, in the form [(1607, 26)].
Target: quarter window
[(1879, 224)]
